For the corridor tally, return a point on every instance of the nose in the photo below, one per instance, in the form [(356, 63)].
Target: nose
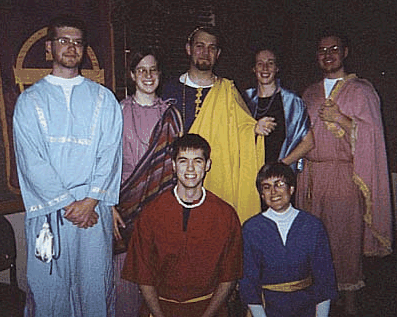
[(190, 166)]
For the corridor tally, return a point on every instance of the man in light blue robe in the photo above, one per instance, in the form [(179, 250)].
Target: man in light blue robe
[(67, 132)]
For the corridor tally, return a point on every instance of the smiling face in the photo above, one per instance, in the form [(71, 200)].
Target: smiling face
[(190, 167), (276, 193), (265, 68), (66, 55), (203, 51), (146, 75), (330, 56)]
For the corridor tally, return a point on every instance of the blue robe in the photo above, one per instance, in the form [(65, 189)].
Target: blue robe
[(65, 154), (268, 261), (297, 121)]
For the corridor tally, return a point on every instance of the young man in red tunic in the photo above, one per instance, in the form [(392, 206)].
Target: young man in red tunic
[(186, 249)]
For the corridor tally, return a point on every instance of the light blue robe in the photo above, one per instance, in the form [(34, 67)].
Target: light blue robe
[(64, 155), (297, 122)]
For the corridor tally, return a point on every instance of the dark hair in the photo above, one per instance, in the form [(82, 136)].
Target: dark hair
[(190, 141), (277, 169), (333, 32), (207, 29), (265, 47), (66, 20), (139, 54)]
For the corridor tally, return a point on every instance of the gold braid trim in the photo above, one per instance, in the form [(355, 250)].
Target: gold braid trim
[(189, 301), (335, 129), (290, 286), (386, 243), (198, 101)]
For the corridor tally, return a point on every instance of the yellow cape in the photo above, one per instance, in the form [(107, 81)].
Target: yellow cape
[(224, 121)]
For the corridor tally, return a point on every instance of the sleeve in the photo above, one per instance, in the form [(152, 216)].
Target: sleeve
[(250, 286), (324, 285), (106, 177), (42, 189), (138, 266), (232, 259), (128, 149)]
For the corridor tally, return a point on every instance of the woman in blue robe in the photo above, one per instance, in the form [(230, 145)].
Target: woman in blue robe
[(281, 114), (288, 268)]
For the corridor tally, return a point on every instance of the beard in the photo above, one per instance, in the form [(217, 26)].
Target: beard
[(203, 65)]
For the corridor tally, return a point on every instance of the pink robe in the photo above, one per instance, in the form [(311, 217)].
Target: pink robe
[(345, 181), (139, 122)]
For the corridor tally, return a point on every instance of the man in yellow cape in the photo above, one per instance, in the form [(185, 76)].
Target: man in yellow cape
[(213, 108)]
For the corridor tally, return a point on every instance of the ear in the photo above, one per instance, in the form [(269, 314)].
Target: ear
[(291, 190), (48, 46), (219, 53), (188, 49), (173, 166), (346, 52), (132, 76), (208, 165)]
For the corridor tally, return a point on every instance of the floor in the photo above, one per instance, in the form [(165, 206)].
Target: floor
[(379, 297)]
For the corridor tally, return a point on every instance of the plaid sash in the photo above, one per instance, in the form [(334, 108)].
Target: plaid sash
[(152, 176)]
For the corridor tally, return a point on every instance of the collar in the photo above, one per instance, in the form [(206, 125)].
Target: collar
[(184, 79)]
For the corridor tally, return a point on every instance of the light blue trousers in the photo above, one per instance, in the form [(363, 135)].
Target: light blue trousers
[(80, 282)]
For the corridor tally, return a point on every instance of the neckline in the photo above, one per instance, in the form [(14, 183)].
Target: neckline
[(181, 202)]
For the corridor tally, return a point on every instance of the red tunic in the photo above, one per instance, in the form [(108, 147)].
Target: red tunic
[(185, 264)]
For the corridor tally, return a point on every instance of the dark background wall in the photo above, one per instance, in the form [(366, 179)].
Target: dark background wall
[(292, 25)]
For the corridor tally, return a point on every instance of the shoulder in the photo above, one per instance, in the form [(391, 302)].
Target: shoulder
[(221, 207), (253, 222), (172, 82), (250, 93), (360, 84), (312, 223), (163, 201), (289, 93)]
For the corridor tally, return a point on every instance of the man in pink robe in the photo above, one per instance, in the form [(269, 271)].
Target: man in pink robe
[(345, 181)]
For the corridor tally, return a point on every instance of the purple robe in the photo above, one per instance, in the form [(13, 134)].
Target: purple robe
[(139, 122), (345, 178)]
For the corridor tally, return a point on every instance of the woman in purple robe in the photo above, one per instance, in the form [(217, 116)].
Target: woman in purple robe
[(141, 111)]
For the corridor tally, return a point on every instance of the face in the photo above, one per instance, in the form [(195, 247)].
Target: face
[(204, 51), (330, 56), (276, 193), (146, 75), (190, 168), (65, 53), (265, 68)]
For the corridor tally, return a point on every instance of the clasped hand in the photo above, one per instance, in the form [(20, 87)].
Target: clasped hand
[(329, 111), (82, 213), (265, 126)]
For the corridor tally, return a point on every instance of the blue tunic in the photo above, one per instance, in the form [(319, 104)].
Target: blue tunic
[(267, 261), (297, 122), (66, 153)]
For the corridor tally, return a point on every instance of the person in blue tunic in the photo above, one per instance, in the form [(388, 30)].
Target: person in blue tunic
[(67, 132), (281, 114), (288, 268)]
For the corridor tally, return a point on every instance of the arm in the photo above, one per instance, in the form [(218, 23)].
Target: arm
[(42, 188), (152, 299), (330, 112), (220, 295), (106, 173), (301, 149), (265, 126), (117, 221), (82, 213)]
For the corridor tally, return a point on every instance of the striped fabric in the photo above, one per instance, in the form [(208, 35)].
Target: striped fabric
[(152, 176)]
